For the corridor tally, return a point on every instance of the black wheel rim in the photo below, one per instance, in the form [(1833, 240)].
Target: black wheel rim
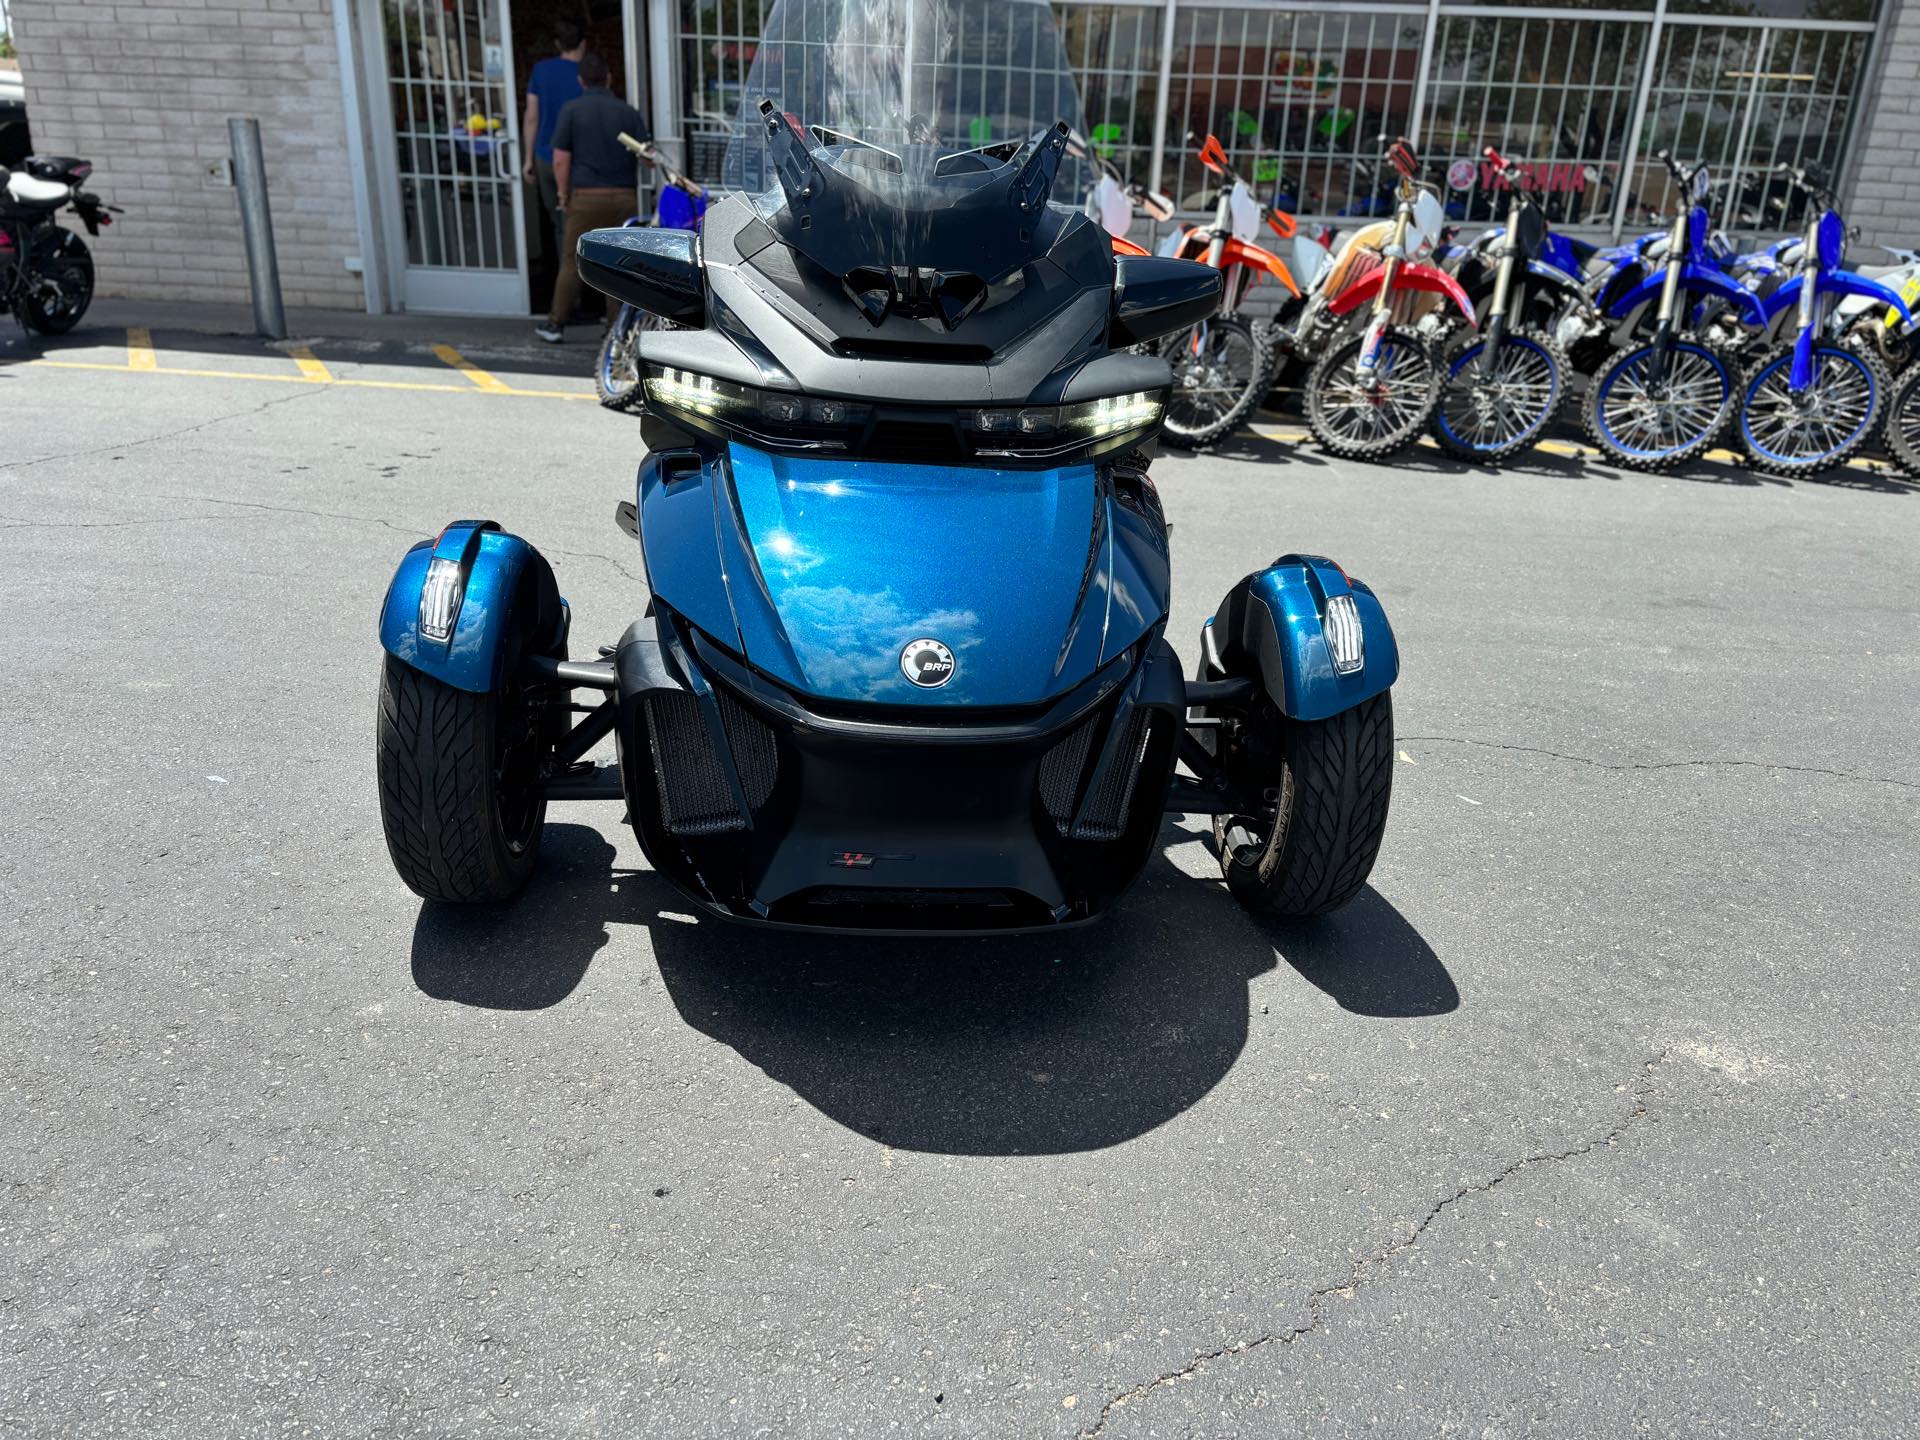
[(516, 769)]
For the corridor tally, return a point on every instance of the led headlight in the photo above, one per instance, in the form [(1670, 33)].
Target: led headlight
[(1058, 426), (1346, 642), (777, 416)]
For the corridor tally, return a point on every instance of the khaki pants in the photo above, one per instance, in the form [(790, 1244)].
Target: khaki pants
[(590, 210)]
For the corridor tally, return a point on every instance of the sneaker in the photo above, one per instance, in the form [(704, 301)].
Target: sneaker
[(549, 333)]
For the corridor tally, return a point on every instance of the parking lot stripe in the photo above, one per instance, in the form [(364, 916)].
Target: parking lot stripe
[(310, 366), (480, 378), (331, 379), (140, 354)]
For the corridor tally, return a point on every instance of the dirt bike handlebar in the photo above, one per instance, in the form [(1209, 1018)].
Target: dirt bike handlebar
[(645, 151)]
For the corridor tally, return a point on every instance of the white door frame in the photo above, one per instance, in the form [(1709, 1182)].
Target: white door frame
[(449, 289)]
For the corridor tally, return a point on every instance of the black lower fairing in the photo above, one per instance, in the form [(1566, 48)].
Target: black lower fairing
[(763, 807)]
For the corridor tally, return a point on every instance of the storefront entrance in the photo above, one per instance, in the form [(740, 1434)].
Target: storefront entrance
[(461, 232), (447, 148)]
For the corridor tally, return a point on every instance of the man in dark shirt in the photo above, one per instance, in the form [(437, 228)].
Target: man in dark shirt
[(596, 175)]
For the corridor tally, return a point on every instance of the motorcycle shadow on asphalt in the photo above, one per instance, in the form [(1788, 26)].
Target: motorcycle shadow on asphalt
[(1016, 1045)]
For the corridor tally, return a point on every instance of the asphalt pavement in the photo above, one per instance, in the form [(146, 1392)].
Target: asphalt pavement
[(1593, 1116)]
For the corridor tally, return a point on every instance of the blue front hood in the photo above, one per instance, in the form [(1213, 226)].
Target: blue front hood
[(853, 560)]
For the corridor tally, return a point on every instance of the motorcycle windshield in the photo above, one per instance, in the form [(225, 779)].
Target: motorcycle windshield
[(918, 115)]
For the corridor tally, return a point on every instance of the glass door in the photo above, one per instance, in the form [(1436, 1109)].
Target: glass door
[(456, 146)]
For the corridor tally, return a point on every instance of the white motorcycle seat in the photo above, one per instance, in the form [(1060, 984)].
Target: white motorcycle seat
[(26, 189)]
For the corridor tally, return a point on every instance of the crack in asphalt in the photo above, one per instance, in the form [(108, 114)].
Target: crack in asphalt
[(1368, 1268), (1662, 764), (169, 434)]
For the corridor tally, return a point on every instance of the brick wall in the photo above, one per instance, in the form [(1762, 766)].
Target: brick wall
[(1884, 200), (145, 90)]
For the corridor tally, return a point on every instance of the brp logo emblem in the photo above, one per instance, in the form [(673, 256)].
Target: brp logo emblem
[(927, 663)]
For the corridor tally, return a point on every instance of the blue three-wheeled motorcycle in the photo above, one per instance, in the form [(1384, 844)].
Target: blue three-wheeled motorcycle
[(904, 666)]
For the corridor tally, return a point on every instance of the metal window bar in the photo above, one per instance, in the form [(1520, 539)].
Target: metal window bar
[(1562, 101)]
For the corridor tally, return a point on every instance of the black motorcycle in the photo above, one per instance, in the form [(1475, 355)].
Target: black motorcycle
[(46, 274)]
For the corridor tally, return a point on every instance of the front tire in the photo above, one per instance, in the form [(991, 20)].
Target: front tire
[(1373, 419), (1643, 426), (461, 798), (1222, 370), (1325, 786), (616, 368), (1824, 428), (59, 282), (1903, 424), (1490, 420)]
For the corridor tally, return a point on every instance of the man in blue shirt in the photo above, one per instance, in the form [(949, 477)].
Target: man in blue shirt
[(597, 178), (554, 82)]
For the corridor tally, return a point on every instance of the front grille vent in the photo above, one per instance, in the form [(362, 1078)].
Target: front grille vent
[(1112, 793), (1060, 771), (695, 796), (755, 755)]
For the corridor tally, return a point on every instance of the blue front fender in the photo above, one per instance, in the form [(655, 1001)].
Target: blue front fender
[(507, 586), (1271, 625), (1696, 279), (1849, 283)]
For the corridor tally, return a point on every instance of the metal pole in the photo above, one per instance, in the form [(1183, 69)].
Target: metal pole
[(1629, 162), (1416, 121), (256, 227), (1157, 168)]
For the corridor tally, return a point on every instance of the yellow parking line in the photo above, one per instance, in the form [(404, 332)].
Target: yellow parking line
[(140, 354), (480, 378), (310, 366), (305, 379)]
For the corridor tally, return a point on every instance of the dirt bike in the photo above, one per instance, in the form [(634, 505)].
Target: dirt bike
[(1502, 388), (616, 369), (1810, 402), (1371, 394), (1664, 398), (1223, 366)]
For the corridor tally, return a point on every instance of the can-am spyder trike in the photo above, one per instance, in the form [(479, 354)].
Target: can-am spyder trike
[(904, 667)]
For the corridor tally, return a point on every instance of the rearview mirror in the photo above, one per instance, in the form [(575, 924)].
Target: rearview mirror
[(657, 270)]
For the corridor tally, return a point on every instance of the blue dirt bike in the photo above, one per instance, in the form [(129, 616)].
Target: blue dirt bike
[(1669, 392), (1810, 403), (1502, 388), (616, 368), (903, 667)]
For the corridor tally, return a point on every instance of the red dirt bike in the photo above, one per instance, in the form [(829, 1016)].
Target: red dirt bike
[(1223, 366), (1373, 393)]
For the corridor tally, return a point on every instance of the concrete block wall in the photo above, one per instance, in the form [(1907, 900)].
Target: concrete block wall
[(144, 91), (1884, 199)]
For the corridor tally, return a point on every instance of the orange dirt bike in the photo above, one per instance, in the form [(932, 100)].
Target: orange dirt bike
[(1223, 366), (1372, 393)]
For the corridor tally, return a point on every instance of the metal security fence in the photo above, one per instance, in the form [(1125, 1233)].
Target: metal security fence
[(1583, 95)]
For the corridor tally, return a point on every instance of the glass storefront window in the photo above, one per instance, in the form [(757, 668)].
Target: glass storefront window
[(1301, 96), (1298, 99), (1116, 51), (1745, 100), (1555, 96)]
